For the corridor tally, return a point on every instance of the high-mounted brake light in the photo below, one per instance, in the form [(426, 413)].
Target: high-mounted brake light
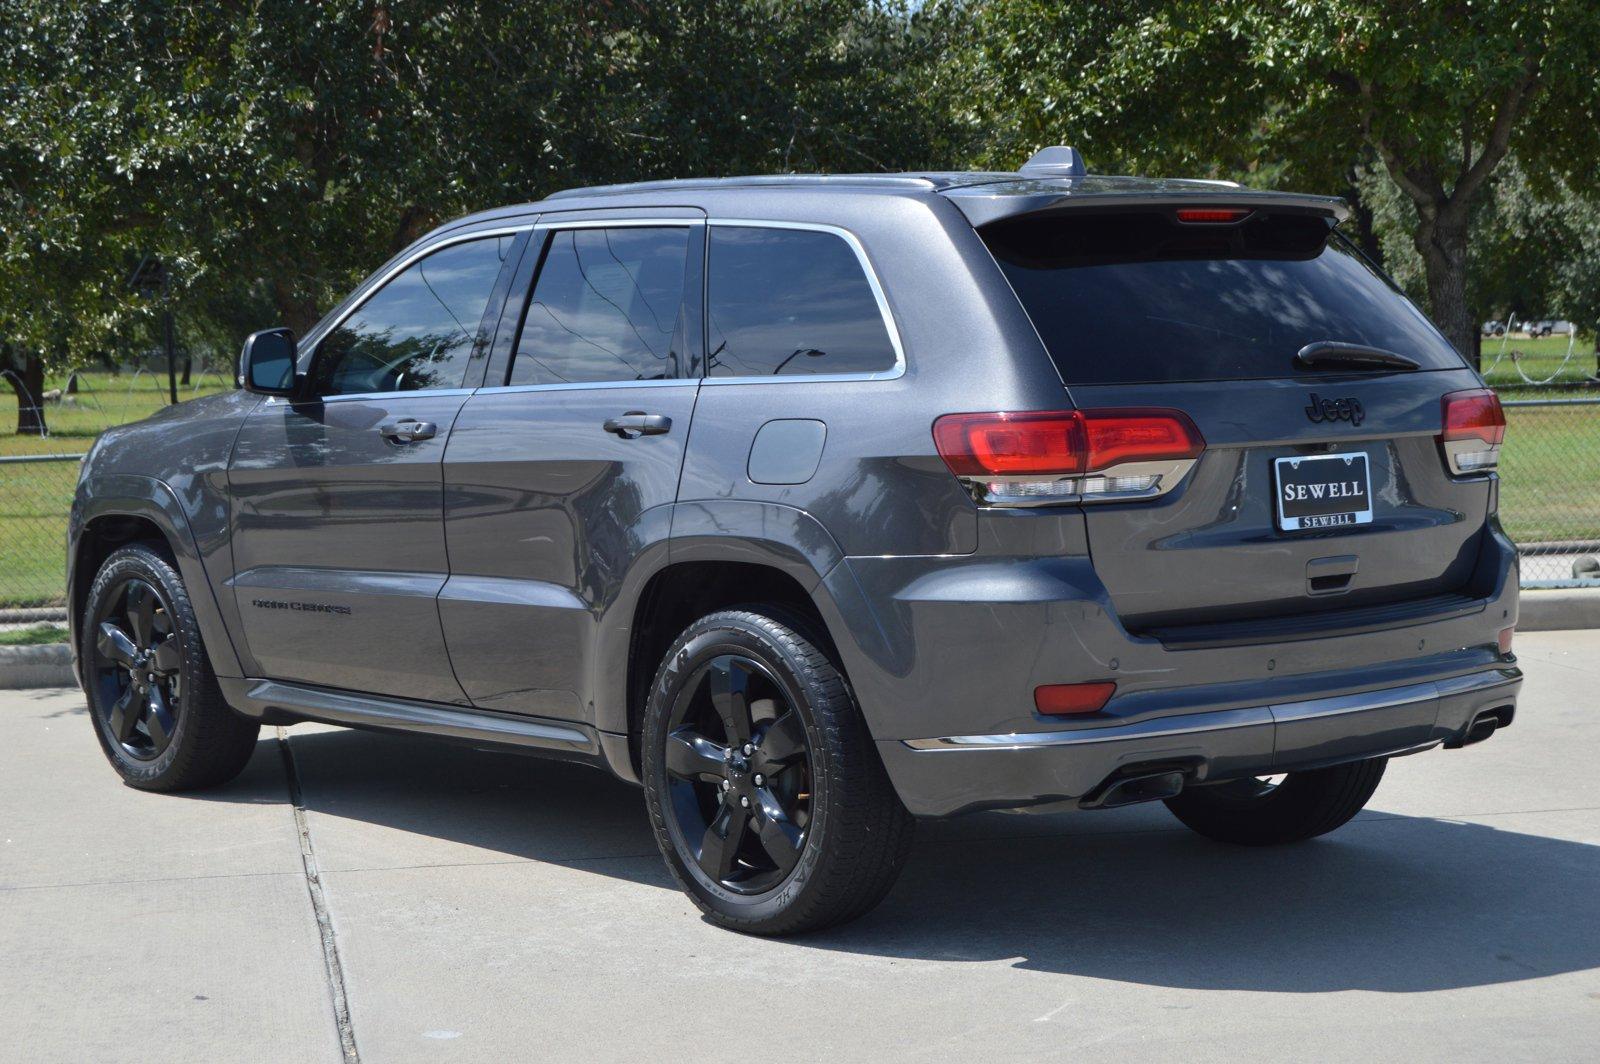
[(1474, 426), (1041, 457), (1212, 215)]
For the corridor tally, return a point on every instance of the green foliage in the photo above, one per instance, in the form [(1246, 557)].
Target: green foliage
[(273, 151)]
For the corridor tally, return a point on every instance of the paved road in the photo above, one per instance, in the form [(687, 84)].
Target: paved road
[(490, 908)]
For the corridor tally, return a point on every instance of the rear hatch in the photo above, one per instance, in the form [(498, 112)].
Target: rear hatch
[(1323, 490)]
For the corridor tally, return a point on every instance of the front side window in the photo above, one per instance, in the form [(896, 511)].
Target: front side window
[(607, 306), (789, 302), (419, 331)]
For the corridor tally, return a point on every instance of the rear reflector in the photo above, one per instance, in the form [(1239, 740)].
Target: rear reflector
[(1063, 699), (1504, 641), (1474, 426), (1212, 215)]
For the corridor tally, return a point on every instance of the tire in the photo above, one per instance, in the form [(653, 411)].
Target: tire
[(156, 707), (825, 835), (1250, 812)]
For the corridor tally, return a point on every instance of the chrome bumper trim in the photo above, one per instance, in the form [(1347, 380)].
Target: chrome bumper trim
[(1221, 720)]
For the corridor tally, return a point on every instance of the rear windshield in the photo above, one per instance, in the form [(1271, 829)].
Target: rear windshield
[(1134, 298)]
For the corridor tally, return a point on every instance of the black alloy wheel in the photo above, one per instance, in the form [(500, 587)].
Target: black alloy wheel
[(768, 799), (739, 771), (137, 668)]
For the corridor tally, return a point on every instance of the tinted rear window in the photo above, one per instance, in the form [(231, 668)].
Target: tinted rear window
[(1130, 298)]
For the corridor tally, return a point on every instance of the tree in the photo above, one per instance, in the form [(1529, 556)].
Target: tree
[(273, 153), (1439, 92)]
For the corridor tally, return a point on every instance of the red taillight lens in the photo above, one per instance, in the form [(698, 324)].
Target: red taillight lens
[(1064, 699), (999, 445), (1474, 415), (1504, 641), (1062, 443), (1117, 436), (1212, 215)]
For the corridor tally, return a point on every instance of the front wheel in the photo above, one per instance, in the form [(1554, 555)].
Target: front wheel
[(158, 712), (1262, 811), (767, 796)]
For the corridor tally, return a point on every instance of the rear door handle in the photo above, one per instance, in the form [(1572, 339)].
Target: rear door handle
[(636, 423), (407, 430)]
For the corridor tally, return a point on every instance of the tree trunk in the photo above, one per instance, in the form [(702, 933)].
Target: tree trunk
[(1442, 242), (29, 386), (294, 310), (188, 367)]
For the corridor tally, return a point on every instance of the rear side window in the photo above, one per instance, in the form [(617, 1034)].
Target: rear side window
[(607, 306), (1133, 298), (791, 302)]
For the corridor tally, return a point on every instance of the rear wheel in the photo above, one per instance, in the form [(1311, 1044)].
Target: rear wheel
[(766, 794), (157, 709), (1269, 810)]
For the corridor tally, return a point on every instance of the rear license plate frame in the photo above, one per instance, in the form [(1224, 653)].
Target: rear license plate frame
[(1348, 473)]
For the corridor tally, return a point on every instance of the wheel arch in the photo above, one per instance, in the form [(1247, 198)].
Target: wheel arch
[(722, 553), (115, 510)]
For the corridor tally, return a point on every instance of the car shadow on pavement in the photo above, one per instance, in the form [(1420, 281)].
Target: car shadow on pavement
[(1389, 903)]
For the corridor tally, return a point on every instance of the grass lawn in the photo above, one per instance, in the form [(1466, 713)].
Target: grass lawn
[(1550, 473), (38, 635), (1550, 467)]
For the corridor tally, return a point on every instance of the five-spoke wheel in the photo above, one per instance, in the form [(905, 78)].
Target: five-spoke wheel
[(138, 667), (766, 793), (157, 708), (740, 774)]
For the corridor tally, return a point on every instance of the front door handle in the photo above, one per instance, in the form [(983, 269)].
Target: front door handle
[(407, 430), (636, 423)]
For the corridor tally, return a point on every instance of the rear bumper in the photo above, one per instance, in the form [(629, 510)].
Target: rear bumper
[(961, 773)]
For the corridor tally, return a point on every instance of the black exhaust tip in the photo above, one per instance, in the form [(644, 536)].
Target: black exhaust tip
[(1483, 725), (1131, 790)]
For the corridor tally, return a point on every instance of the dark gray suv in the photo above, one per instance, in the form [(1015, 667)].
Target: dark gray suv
[(818, 504)]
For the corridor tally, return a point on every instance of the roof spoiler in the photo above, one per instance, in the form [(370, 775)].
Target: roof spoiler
[(1055, 161)]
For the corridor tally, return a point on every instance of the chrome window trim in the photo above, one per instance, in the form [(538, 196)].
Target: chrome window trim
[(673, 382), (896, 371), (377, 286)]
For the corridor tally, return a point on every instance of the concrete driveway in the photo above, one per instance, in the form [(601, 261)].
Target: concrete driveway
[(358, 896)]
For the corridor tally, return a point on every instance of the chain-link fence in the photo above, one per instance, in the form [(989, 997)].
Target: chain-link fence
[(35, 496), (1550, 487), (1549, 501)]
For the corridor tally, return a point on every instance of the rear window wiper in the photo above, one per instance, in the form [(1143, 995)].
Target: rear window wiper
[(1334, 354)]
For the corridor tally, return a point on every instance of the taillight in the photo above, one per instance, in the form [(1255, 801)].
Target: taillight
[(1474, 427), (1064, 699), (1041, 457), (1503, 641)]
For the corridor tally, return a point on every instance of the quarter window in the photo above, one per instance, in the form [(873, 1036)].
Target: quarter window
[(420, 331), (607, 306), (790, 302)]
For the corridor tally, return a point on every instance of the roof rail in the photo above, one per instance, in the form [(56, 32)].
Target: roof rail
[(1055, 161), (901, 181)]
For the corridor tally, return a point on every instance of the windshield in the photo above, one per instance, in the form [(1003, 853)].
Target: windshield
[(1138, 297)]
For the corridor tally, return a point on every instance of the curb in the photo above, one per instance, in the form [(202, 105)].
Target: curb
[(1552, 609), (49, 665), (30, 614)]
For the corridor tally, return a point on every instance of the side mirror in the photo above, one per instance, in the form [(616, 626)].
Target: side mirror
[(266, 365)]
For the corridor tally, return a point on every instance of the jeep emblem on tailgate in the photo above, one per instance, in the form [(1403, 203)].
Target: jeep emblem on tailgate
[(1348, 409)]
